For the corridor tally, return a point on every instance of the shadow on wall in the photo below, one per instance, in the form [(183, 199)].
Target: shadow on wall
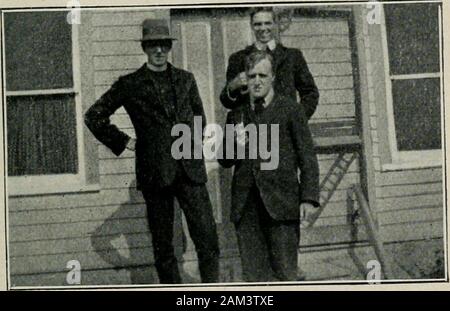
[(124, 242), (133, 255)]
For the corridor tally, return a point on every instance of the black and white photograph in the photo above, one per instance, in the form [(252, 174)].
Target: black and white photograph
[(224, 144)]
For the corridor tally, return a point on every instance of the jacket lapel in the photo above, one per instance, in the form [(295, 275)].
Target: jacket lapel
[(181, 86), (177, 85), (148, 81), (278, 56)]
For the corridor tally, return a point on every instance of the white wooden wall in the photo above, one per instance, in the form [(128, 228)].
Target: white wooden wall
[(47, 231)]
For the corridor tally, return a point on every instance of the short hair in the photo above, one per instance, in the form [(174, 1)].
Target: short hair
[(255, 57), (256, 10)]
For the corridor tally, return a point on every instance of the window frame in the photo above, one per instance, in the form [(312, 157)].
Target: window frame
[(408, 159), (53, 183)]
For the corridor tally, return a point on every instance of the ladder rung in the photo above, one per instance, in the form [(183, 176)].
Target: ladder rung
[(322, 196), (336, 173), (334, 176), (325, 189), (343, 164)]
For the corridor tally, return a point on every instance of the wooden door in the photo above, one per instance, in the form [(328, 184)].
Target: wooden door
[(206, 40), (207, 37)]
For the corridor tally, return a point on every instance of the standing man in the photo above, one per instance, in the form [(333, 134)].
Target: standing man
[(156, 97), (268, 205), (290, 68)]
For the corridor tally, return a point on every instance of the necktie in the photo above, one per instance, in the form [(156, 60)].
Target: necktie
[(259, 105)]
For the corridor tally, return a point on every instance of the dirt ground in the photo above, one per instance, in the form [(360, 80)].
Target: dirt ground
[(410, 260), (419, 259)]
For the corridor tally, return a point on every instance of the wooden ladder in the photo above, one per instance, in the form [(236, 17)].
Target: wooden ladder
[(332, 180), (372, 229)]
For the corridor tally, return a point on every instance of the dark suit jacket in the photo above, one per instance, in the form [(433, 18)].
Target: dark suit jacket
[(280, 189), (152, 123), (291, 75)]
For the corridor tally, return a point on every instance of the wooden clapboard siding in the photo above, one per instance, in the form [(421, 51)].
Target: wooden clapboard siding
[(103, 198), (236, 35), (76, 229), (317, 42), (409, 202), (325, 44), (135, 275), (412, 201), (63, 216), (70, 215), (412, 230), (334, 83), (120, 180), (115, 48), (122, 18), (331, 65), (408, 177), (339, 235), (337, 96), (411, 215), (47, 231), (117, 62), (325, 236), (323, 63), (309, 27), (339, 111), (334, 54), (391, 191), (80, 244), (131, 33), (107, 230), (88, 260), (112, 166)]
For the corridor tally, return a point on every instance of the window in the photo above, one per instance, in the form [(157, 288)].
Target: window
[(413, 70), (43, 104)]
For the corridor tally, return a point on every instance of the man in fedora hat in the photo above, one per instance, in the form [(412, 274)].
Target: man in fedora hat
[(156, 97)]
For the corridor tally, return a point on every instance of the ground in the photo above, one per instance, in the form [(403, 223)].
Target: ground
[(410, 260), (407, 260)]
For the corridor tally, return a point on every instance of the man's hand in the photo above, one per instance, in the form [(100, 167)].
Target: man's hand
[(307, 212), (241, 135), (238, 83), (131, 145)]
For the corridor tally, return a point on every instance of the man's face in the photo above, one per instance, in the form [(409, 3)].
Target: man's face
[(157, 52), (260, 79), (263, 26)]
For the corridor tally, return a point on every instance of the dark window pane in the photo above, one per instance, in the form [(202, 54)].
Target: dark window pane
[(38, 51), (413, 37), (417, 114), (41, 135)]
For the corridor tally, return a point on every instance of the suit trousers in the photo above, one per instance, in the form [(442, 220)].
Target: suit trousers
[(268, 247), (194, 200)]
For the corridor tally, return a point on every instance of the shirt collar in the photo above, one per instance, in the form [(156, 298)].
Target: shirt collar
[(261, 46), (267, 99), (149, 67)]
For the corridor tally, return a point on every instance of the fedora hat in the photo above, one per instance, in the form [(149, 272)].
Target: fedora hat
[(155, 29)]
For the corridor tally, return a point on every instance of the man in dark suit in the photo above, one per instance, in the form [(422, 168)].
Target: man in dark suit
[(268, 204), (291, 71), (157, 97)]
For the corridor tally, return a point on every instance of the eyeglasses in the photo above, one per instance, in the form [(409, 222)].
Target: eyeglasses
[(164, 48), (163, 45)]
